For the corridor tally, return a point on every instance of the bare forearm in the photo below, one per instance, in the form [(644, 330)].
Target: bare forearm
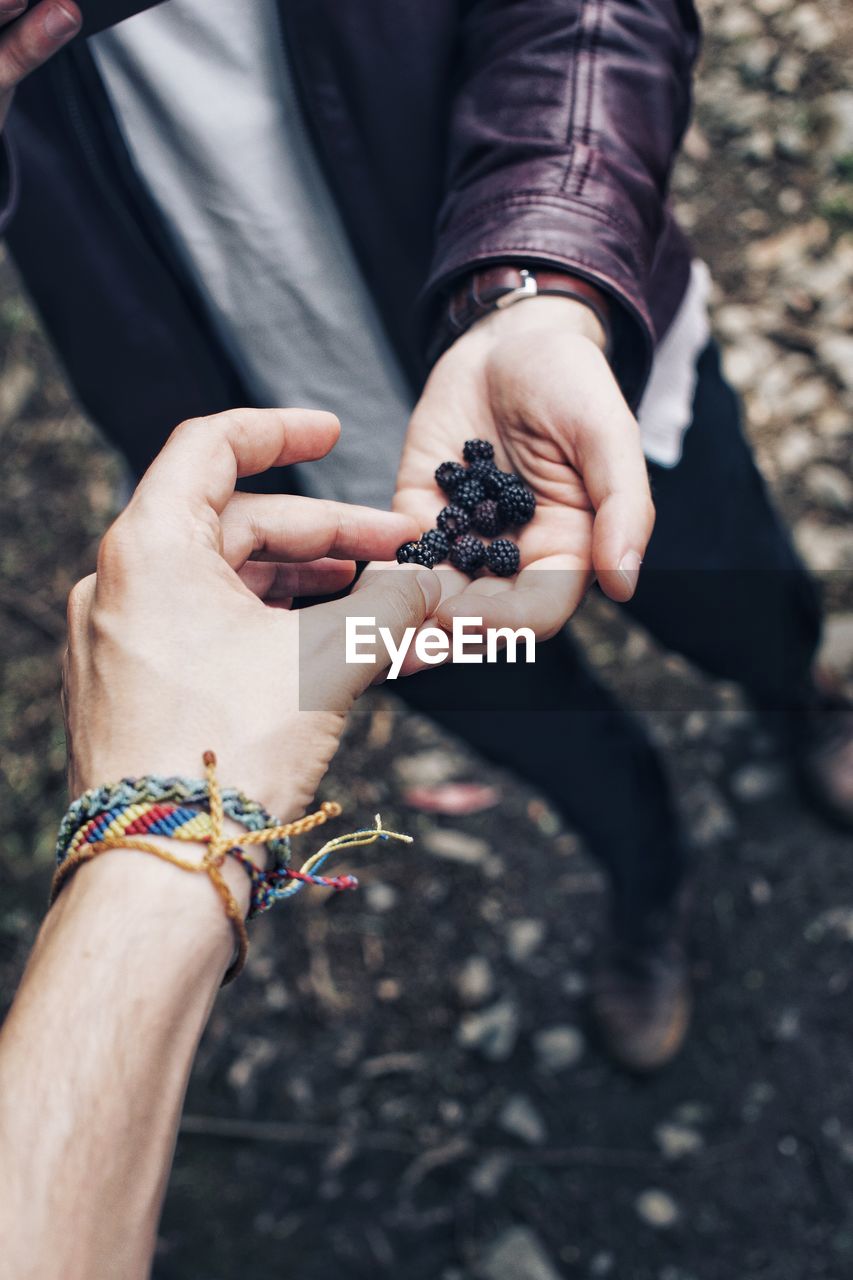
[(94, 1061)]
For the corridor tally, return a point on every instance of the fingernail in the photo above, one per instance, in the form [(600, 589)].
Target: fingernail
[(431, 588), (59, 22), (629, 570)]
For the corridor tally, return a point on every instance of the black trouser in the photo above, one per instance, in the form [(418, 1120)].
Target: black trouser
[(722, 585)]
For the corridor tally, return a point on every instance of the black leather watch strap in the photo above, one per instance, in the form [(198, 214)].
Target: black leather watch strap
[(494, 288)]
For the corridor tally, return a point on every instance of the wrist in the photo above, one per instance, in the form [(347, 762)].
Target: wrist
[(180, 907), (508, 289), (544, 312)]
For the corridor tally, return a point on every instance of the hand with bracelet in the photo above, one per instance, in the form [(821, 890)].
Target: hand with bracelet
[(178, 646), (533, 378)]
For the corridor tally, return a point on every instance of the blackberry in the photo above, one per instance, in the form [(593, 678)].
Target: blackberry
[(502, 558), (448, 475), (468, 493), (517, 504), (481, 470), (416, 553), (453, 521), (438, 543), (478, 451), (497, 482), (486, 518), (467, 553)]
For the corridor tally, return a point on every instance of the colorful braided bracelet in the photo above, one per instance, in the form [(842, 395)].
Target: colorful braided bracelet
[(126, 814)]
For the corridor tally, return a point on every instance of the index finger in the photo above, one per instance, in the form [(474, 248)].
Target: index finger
[(203, 458), (286, 527)]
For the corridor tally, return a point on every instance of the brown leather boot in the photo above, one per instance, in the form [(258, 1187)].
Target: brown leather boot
[(642, 1003), (823, 750)]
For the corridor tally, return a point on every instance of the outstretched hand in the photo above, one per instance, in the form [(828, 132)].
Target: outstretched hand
[(534, 381), (183, 641)]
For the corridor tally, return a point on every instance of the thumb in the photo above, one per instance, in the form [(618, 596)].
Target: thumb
[(616, 479), (620, 533), (340, 646)]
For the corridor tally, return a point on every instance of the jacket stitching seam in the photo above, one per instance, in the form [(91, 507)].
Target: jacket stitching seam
[(570, 125), (594, 45), (532, 196)]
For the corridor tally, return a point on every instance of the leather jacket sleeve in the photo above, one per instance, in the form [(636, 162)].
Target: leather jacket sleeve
[(563, 131)]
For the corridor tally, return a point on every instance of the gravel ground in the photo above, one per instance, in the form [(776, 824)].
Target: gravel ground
[(358, 1109)]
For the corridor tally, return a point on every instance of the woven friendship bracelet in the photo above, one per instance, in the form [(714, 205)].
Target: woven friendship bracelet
[(102, 820), (182, 792)]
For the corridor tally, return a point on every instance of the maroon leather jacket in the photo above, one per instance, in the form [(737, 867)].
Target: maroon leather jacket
[(454, 133)]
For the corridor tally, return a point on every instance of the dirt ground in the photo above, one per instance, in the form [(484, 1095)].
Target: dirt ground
[(404, 1084)]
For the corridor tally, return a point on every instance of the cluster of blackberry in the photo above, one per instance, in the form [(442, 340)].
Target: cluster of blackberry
[(482, 499)]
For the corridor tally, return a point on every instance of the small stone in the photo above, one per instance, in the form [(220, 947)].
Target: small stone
[(517, 1254), (601, 1264), (678, 1140), (757, 781), (257, 1053), (546, 819), (711, 820), (558, 1048), (757, 57), (835, 351), (792, 143), (786, 1025), (790, 201), (692, 1114), (427, 768), (574, 984), (833, 422), (811, 28), (745, 364), (788, 74), (734, 321), (523, 938), (696, 725), (492, 1032), (830, 487), (807, 398), (737, 24), (520, 1118), (795, 449), (696, 145), (380, 897), (824, 547), (838, 108), (758, 146), (17, 386), (475, 981), (835, 920), (837, 646), (456, 846), (657, 1208), (451, 1111), (276, 996), (488, 1176)]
